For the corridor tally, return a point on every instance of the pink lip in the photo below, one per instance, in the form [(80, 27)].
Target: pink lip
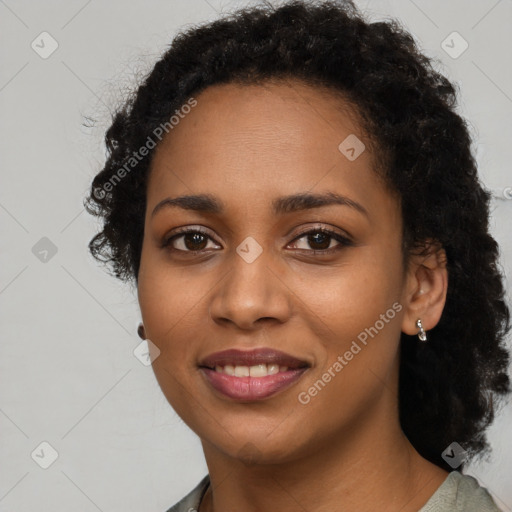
[(252, 388)]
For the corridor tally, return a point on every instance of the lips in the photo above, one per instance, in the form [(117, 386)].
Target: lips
[(251, 375), (255, 357)]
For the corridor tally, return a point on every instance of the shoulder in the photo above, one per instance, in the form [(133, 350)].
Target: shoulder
[(190, 503), (460, 493)]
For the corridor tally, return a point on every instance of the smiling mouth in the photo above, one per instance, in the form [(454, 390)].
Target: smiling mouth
[(251, 375)]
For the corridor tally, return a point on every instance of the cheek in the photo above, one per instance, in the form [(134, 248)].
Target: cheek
[(359, 330), (169, 307), (172, 311), (354, 314), (349, 297), (169, 301)]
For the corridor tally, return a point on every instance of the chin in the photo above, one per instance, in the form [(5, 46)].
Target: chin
[(255, 449)]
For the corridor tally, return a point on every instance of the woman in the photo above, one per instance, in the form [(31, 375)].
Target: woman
[(296, 200)]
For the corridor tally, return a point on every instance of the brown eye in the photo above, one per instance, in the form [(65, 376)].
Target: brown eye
[(320, 240), (194, 241), (188, 240)]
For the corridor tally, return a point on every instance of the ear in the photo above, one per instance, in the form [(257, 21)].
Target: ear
[(425, 288)]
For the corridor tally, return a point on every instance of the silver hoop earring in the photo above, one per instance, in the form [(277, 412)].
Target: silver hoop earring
[(422, 335)]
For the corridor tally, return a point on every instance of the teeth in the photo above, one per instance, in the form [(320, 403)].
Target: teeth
[(259, 370), (241, 371), (272, 369)]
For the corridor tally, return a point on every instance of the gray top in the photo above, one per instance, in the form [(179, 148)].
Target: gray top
[(458, 492)]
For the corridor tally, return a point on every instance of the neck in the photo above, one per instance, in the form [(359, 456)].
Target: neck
[(369, 466)]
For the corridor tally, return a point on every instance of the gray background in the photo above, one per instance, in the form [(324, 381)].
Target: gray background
[(68, 373)]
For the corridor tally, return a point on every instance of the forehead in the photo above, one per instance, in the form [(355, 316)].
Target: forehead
[(253, 142)]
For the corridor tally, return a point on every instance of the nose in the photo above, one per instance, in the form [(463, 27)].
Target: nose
[(251, 295)]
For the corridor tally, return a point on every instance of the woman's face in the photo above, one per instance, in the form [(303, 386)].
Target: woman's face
[(256, 281)]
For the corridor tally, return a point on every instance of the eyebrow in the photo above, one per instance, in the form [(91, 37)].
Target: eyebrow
[(207, 203)]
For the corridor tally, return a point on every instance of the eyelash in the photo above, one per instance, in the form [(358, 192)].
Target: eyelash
[(344, 241)]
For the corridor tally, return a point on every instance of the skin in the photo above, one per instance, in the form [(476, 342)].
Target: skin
[(344, 450)]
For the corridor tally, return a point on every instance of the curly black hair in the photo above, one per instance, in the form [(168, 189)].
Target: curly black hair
[(448, 387)]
